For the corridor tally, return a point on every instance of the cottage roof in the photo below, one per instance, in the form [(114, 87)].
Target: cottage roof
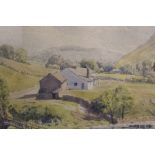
[(80, 71)]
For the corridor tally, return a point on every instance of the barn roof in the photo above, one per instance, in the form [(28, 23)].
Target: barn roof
[(57, 75)]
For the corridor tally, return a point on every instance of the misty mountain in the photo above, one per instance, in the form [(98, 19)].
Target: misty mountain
[(76, 54), (107, 44)]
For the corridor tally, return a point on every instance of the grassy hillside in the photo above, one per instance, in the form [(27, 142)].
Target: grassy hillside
[(141, 92), (21, 76), (29, 69), (144, 52)]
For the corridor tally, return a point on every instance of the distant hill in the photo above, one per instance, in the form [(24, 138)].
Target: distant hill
[(107, 44), (76, 54), (144, 52)]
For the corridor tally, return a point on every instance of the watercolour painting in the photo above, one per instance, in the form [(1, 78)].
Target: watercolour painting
[(77, 77)]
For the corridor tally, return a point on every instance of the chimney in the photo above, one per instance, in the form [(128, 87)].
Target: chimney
[(88, 72)]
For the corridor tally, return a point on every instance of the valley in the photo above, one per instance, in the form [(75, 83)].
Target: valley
[(74, 86)]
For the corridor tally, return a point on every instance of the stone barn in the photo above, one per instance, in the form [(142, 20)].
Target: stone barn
[(51, 86)]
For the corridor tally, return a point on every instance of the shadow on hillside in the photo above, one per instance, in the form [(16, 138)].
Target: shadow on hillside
[(28, 96), (89, 118)]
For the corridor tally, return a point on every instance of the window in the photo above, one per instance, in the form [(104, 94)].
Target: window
[(75, 84)]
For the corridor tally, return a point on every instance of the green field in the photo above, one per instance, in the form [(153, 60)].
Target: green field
[(120, 76), (141, 92)]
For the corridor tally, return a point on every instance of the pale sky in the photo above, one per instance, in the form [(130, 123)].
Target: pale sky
[(115, 39)]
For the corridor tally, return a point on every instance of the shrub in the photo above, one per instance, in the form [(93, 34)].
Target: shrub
[(21, 55), (4, 102), (34, 113), (115, 103), (97, 106)]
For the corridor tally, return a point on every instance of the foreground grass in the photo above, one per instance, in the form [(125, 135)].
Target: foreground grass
[(72, 116)]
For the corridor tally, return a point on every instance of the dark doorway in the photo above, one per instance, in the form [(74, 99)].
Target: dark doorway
[(55, 95), (82, 86)]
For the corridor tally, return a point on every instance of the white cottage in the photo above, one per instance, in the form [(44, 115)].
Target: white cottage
[(78, 78)]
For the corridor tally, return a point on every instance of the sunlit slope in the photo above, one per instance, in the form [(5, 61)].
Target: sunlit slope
[(144, 52)]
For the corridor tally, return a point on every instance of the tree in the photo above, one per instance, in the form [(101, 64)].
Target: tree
[(99, 64), (21, 55), (153, 67), (67, 64), (138, 68), (127, 69), (88, 63), (7, 51), (108, 68), (55, 60), (124, 101), (4, 102), (108, 99), (117, 103), (146, 67)]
